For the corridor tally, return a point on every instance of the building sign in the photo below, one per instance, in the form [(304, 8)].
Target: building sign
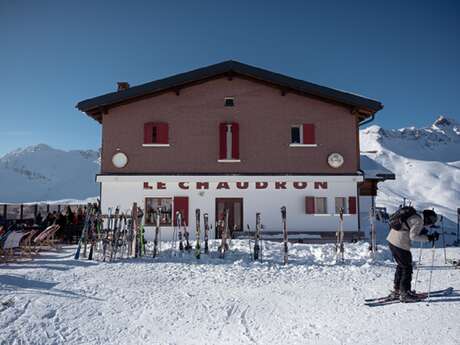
[(223, 185)]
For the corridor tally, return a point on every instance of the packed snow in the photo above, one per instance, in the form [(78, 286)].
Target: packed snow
[(177, 299)]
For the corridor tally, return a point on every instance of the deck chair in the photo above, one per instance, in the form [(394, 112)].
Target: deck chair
[(26, 243), (11, 243), (45, 239)]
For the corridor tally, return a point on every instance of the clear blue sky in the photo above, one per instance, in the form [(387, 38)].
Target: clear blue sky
[(55, 53)]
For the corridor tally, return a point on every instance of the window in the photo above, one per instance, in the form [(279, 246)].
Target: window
[(320, 205), (303, 135), (340, 202), (315, 205), (295, 135), (229, 142), (229, 101), (152, 206), (349, 206), (156, 134)]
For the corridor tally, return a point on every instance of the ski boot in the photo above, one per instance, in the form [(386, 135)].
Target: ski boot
[(394, 295), (409, 297)]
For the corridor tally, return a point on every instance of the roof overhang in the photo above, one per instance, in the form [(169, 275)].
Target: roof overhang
[(362, 107)]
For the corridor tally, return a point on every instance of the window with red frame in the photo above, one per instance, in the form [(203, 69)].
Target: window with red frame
[(156, 133), (229, 148)]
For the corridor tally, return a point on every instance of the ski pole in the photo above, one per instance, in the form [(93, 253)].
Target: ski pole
[(431, 270), (419, 262), (443, 240)]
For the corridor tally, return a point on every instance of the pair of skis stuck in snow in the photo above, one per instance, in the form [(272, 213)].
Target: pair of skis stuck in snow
[(180, 225), (257, 254)]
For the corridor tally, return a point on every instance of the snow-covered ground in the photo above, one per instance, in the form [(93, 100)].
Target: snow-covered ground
[(180, 300)]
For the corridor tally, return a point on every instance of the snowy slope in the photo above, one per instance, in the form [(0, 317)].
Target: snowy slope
[(179, 300), (40, 172), (426, 163)]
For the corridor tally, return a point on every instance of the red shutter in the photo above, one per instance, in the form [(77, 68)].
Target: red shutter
[(352, 205), (181, 204), (309, 133), (235, 141), (148, 127), (309, 205), (223, 141), (162, 133)]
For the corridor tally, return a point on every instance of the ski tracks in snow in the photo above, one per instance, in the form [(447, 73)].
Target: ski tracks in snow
[(234, 301)]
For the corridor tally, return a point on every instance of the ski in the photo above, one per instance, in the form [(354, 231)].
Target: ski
[(157, 232), (373, 302), (114, 235), (139, 231), (257, 237), (285, 234), (84, 233), (130, 236), (136, 231), (105, 240), (224, 231), (373, 246), (206, 233), (339, 248), (197, 234), (178, 224), (93, 232), (186, 235)]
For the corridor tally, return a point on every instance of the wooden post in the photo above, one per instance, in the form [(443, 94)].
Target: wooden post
[(21, 212)]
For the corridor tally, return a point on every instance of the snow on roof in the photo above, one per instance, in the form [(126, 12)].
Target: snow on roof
[(373, 170)]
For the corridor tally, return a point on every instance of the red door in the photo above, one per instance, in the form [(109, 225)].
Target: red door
[(181, 204)]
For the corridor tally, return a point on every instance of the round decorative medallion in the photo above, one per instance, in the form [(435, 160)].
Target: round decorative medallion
[(119, 160), (335, 160)]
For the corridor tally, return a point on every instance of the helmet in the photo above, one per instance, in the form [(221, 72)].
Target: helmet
[(430, 217)]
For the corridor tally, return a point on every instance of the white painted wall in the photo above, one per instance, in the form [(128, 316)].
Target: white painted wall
[(122, 191)]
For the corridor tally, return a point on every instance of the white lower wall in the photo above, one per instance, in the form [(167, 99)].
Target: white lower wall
[(122, 191)]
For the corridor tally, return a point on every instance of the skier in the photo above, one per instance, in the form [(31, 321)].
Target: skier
[(407, 225)]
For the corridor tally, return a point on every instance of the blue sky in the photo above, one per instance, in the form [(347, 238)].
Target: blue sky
[(53, 54)]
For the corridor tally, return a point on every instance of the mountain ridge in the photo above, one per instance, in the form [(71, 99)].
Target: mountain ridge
[(426, 163)]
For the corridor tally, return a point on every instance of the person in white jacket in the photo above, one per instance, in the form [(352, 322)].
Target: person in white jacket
[(413, 229)]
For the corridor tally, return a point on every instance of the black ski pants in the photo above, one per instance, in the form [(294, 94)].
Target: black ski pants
[(403, 274)]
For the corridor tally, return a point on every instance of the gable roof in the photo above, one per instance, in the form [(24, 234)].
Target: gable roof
[(95, 106)]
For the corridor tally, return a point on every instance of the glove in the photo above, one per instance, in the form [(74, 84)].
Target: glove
[(433, 237), (424, 231)]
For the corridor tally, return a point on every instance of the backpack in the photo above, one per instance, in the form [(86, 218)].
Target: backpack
[(400, 217)]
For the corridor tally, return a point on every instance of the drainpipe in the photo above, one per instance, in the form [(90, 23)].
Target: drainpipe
[(367, 121)]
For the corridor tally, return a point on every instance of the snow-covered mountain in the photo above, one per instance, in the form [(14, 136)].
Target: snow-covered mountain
[(426, 162), (40, 172)]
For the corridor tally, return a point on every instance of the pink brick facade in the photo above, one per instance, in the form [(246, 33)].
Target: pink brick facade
[(264, 116)]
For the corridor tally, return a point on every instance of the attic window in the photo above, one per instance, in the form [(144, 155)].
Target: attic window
[(229, 101)]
